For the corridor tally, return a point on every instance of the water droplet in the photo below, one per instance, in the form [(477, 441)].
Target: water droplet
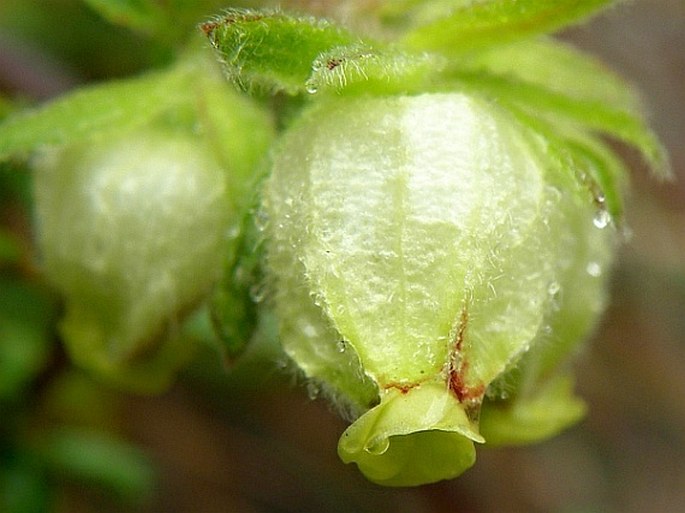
[(594, 269), (313, 390), (258, 292), (378, 445), (553, 288), (554, 292), (342, 346), (311, 88), (602, 218), (261, 220)]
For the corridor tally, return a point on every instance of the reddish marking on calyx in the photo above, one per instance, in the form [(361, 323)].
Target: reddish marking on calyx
[(458, 365), (402, 387)]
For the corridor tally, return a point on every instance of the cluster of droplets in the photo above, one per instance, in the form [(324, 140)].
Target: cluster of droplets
[(602, 217)]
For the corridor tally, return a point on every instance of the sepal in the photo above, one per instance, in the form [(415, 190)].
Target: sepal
[(534, 418), (415, 436)]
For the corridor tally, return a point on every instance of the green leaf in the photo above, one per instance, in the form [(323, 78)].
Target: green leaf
[(96, 111), (144, 16), (562, 111), (233, 305), (270, 50), (361, 66), (564, 80), (472, 25), (606, 177), (558, 67), (406, 14), (586, 158), (237, 131)]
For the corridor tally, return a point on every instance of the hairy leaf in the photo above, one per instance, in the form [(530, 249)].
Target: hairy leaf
[(561, 109), (271, 50), (96, 111), (145, 16), (556, 66), (472, 25), (361, 66)]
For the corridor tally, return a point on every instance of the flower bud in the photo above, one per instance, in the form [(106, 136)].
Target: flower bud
[(131, 231), (419, 246)]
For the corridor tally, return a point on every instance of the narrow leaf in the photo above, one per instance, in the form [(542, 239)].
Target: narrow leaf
[(558, 67), (238, 131), (101, 109), (593, 115), (607, 174), (388, 70), (144, 16), (596, 167), (406, 14), (233, 305), (270, 50), (472, 25)]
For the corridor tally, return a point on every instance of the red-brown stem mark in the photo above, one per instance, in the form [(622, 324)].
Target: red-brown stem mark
[(458, 365), (402, 387)]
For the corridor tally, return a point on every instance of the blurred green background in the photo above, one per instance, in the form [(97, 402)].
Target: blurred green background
[(250, 439)]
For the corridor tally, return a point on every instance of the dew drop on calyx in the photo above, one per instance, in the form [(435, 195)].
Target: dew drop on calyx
[(313, 390), (594, 269), (554, 292), (311, 88), (258, 292), (553, 288), (261, 220), (602, 218)]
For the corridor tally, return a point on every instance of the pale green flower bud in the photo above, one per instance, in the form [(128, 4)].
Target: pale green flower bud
[(421, 247), (131, 231)]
